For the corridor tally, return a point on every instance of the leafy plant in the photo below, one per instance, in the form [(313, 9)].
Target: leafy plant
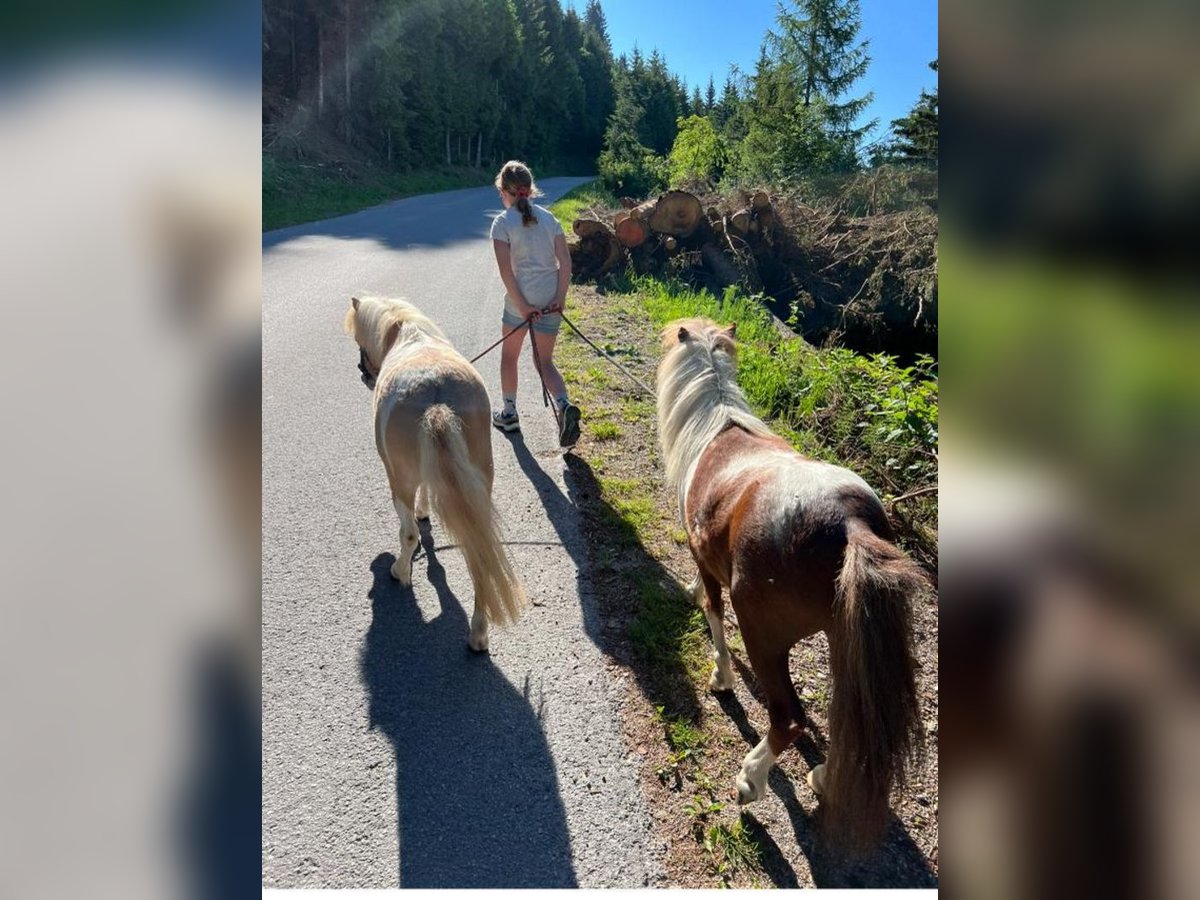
[(699, 152)]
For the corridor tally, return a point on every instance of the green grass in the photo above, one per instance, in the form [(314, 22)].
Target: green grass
[(681, 735), (571, 205), (604, 431), (670, 629), (296, 192), (731, 848)]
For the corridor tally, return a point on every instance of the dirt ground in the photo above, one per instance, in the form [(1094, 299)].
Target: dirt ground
[(691, 742)]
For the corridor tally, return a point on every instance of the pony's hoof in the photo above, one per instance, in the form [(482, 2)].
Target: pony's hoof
[(720, 683), (747, 790), (422, 515), (402, 573), (478, 644), (816, 780)]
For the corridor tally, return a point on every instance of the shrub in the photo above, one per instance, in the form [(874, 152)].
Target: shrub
[(699, 152)]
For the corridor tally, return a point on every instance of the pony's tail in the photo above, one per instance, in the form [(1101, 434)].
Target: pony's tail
[(874, 717), (459, 494)]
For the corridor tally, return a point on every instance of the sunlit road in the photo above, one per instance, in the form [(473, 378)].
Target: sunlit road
[(391, 755)]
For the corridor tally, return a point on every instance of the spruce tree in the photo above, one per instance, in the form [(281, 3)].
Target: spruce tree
[(916, 135)]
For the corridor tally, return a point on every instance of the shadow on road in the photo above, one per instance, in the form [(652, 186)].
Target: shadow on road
[(476, 790), (609, 609)]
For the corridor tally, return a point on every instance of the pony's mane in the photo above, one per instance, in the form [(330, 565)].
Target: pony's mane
[(373, 317), (698, 397)]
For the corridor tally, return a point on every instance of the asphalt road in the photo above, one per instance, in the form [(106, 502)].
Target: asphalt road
[(392, 756)]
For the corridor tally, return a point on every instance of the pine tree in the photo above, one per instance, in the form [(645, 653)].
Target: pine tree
[(710, 96), (916, 135), (816, 42), (593, 16), (799, 119)]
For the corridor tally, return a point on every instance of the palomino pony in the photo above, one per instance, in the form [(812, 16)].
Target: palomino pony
[(433, 430), (802, 546)]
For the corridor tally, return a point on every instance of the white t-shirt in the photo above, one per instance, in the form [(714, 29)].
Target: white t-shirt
[(533, 261)]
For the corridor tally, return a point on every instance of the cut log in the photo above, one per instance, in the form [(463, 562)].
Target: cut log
[(714, 214), (590, 227), (760, 201), (670, 243), (718, 263), (628, 202), (676, 213), (631, 231), (597, 251), (739, 222), (620, 216)]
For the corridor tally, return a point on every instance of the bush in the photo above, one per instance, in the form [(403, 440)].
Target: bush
[(635, 172), (699, 152)]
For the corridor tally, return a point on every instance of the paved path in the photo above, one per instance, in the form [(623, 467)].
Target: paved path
[(391, 755)]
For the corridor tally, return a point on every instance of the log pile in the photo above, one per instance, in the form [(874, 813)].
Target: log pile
[(649, 235), (868, 282)]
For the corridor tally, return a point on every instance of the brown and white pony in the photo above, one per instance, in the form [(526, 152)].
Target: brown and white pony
[(802, 546), (433, 430)]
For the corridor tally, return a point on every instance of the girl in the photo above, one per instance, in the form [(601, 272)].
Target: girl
[(535, 267)]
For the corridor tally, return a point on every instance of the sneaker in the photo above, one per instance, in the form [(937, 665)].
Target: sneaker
[(506, 421), (569, 435)]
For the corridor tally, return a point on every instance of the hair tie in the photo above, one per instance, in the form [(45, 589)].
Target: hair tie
[(522, 192)]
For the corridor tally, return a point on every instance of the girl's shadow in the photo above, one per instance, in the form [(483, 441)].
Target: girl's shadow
[(476, 792)]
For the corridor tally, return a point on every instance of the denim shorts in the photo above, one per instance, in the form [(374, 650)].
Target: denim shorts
[(542, 325)]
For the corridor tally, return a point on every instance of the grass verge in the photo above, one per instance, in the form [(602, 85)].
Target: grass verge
[(295, 192)]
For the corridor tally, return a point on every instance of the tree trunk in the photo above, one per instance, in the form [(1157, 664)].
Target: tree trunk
[(479, 151), (346, 66), (320, 71), (295, 76), (447, 145)]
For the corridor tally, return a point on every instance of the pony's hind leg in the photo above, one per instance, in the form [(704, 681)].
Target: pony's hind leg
[(706, 592), (402, 567), (477, 640), (770, 665), (421, 507)]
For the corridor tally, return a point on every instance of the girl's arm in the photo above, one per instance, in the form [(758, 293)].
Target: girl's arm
[(504, 261), (564, 270)]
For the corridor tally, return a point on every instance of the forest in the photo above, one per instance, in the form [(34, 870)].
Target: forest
[(405, 86)]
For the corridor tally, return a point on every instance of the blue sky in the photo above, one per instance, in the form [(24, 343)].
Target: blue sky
[(702, 37)]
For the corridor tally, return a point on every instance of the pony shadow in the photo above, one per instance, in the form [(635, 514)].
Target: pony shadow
[(896, 863), (606, 615), (477, 797)]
